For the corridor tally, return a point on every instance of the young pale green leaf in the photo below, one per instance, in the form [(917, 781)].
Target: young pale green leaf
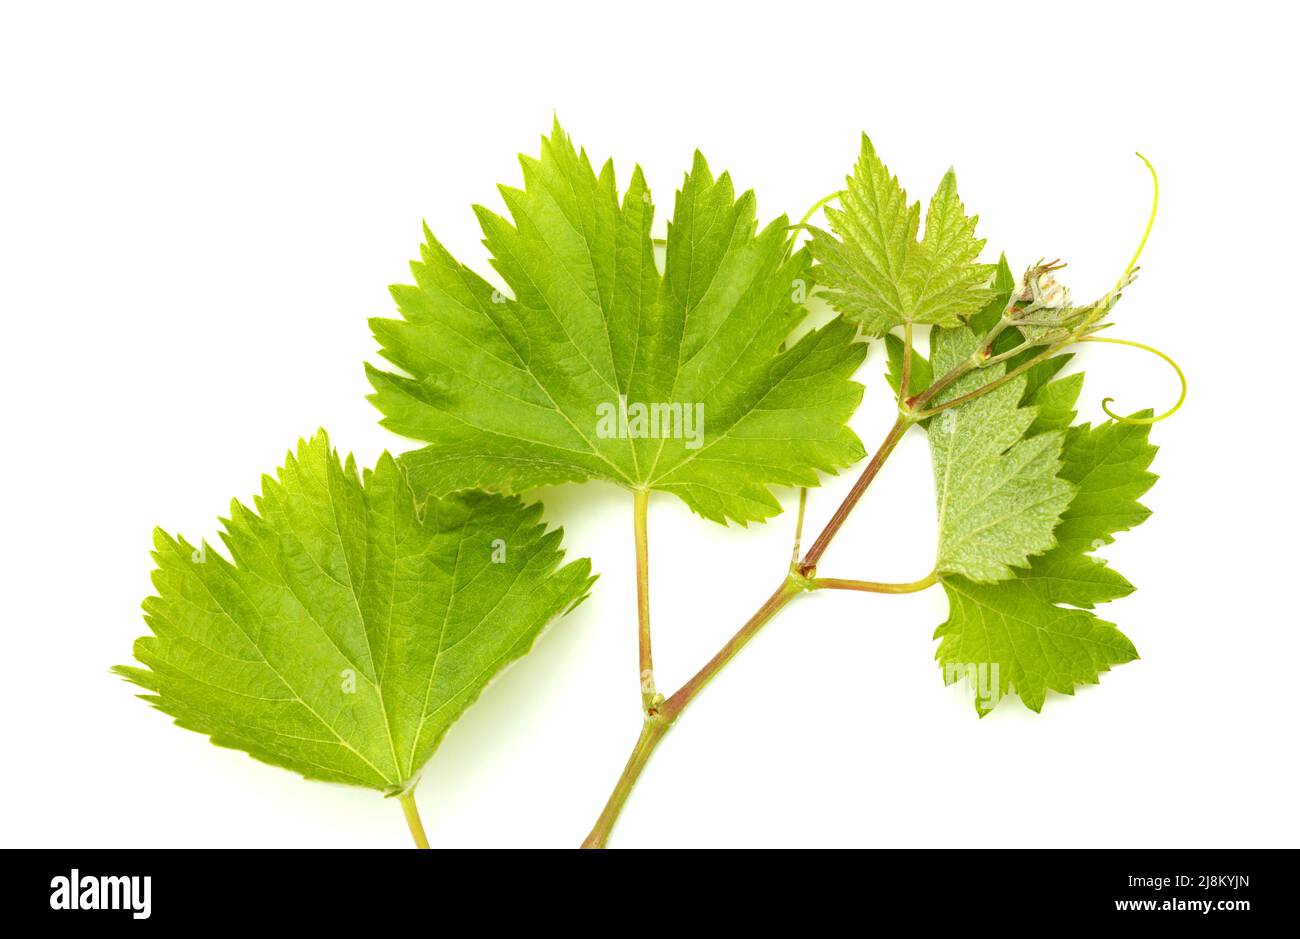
[(1035, 632), (997, 491), (351, 628), (879, 274), (600, 366), (1004, 282)]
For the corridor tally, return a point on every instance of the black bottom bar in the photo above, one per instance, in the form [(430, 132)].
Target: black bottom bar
[(999, 890)]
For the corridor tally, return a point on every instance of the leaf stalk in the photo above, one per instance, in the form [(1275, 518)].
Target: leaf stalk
[(407, 799), (640, 506), (869, 586)]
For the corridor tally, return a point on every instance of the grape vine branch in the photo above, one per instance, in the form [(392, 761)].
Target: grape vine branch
[(659, 714)]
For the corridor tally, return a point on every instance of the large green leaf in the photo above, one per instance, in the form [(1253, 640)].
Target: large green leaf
[(529, 388), (351, 627)]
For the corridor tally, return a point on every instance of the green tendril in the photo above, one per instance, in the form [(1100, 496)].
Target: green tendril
[(826, 200), (1104, 306), (802, 224), (1119, 285), (1155, 203), (1105, 402)]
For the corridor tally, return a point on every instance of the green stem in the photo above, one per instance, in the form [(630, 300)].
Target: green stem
[(652, 731), (655, 726), (809, 563), (835, 583), (961, 369), (790, 588), (640, 503), (413, 818), (798, 526), (984, 389), (905, 382)]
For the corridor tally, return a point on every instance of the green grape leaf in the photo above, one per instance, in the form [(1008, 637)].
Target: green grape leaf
[(878, 274), (1108, 465), (998, 493), (1054, 400), (1036, 631), (351, 627), (598, 365), (1005, 637)]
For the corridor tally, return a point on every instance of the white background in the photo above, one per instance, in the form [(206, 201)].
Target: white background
[(199, 209)]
